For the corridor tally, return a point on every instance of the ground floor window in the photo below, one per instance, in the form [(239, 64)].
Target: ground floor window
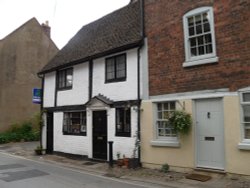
[(245, 120), (74, 123), (163, 127), (123, 122)]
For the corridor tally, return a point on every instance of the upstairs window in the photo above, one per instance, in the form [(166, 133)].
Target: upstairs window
[(74, 123), (199, 37), (65, 78), (123, 122), (164, 129), (116, 68)]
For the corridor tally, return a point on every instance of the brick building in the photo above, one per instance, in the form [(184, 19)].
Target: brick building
[(199, 62)]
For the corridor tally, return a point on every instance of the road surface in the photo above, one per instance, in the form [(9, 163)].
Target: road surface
[(17, 172)]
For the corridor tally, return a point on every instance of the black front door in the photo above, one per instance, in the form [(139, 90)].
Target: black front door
[(100, 135), (50, 134)]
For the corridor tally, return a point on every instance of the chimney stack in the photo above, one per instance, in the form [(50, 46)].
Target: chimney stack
[(46, 28)]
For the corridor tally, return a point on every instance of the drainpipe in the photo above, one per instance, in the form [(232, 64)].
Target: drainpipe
[(41, 107), (139, 80)]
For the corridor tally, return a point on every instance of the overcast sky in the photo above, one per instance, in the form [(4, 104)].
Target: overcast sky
[(65, 17)]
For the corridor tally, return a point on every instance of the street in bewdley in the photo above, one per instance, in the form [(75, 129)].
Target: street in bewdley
[(21, 167)]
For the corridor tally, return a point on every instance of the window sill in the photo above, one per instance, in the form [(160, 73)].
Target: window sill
[(123, 135), (75, 134), (244, 146), (200, 62), (165, 143)]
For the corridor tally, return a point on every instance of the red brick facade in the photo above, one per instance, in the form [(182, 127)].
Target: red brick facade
[(164, 31)]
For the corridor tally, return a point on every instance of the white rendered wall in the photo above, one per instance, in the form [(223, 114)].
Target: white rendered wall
[(79, 92), (44, 131), (68, 143), (117, 91), (123, 145), (49, 89)]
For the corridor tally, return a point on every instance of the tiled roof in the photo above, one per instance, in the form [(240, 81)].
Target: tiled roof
[(105, 35)]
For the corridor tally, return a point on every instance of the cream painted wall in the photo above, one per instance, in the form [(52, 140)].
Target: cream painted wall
[(182, 156), (237, 161)]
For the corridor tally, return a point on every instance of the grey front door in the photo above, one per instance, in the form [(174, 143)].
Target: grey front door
[(209, 133)]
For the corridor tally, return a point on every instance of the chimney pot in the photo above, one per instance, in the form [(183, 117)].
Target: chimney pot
[(46, 28)]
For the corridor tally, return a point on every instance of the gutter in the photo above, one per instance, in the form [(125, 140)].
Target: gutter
[(41, 108), (139, 81)]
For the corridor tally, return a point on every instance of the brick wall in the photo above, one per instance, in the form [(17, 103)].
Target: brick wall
[(164, 30)]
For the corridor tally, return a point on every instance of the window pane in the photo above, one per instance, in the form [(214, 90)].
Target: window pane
[(246, 112), (209, 49), (201, 50), (165, 106), (190, 21), (159, 115), (166, 115), (110, 75), (200, 40), (206, 27), (246, 97), (193, 51), (61, 79), (247, 133), (198, 29), (172, 105), (193, 42), (69, 77), (198, 19), (120, 74), (191, 31), (159, 106), (208, 38), (205, 17)]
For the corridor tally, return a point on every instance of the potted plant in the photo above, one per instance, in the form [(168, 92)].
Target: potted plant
[(39, 150), (181, 121), (125, 161), (119, 161)]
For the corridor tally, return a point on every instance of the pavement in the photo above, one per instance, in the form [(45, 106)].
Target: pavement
[(154, 176)]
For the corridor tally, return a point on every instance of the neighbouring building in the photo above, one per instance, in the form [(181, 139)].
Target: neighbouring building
[(199, 61), (22, 54), (93, 88)]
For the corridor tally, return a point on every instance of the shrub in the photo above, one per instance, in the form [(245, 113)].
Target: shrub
[(165, 168), (26, 131)]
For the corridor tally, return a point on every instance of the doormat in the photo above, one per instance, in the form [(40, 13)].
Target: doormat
[(198, 177), (89, 163)]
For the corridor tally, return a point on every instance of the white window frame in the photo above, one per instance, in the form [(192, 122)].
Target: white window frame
[(169, 141), (201, 59), (244, 141)]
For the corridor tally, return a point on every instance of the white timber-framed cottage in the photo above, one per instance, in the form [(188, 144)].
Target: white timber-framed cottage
[(93, 87)]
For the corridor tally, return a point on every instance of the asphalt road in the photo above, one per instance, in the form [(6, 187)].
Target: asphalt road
[(17, 172)]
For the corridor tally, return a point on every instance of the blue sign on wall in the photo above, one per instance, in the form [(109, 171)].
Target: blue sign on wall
[(37, 96)]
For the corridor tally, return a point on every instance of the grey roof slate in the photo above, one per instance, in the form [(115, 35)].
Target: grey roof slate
[(109, 33)]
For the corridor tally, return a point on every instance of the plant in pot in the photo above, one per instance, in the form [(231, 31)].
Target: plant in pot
[(181, 121), (125, 161), (119, 160), (39, 150)]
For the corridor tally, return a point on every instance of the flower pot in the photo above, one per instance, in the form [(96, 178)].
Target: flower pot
[(126, 162), (119, 162), (134, 163)]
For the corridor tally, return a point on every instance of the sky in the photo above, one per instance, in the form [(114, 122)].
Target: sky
[(65, 17)]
